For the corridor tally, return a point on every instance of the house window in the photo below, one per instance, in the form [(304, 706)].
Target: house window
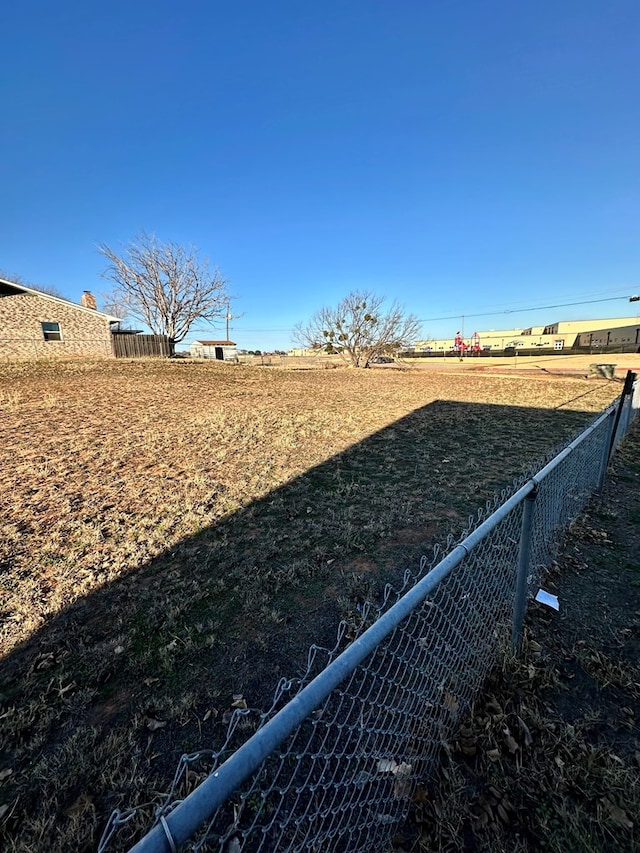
[(558, 344), (51, 331)]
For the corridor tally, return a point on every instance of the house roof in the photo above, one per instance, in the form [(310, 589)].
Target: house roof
[(215, 343), (23, 288)]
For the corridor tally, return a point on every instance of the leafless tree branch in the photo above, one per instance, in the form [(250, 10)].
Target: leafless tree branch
[(165, 285), (359, 329)]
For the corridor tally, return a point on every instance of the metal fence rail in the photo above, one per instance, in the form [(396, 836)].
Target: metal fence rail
[(332, 765)]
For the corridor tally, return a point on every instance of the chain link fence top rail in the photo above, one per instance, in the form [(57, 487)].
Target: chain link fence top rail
[(331, 766)]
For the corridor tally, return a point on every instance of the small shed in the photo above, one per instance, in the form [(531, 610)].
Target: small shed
[(218, 350)]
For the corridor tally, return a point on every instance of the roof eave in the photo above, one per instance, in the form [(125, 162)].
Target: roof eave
[(35, 292)]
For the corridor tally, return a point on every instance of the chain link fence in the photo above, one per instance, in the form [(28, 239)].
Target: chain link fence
[(332, 765)]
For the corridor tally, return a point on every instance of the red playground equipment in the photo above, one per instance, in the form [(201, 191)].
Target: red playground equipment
[(459, 344), (461, 347)]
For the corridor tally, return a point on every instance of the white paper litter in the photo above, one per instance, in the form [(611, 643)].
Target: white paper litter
[(546, 598)]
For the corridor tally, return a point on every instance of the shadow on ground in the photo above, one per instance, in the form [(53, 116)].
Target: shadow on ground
[(98, 706)]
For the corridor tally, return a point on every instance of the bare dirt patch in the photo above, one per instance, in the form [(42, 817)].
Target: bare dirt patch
[(174, 534)]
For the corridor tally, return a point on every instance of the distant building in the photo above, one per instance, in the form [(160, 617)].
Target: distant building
[(620, 336), (300, 352), (570, 334), (218, 350)]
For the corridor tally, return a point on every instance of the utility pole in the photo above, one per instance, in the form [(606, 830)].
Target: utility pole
[(228, 317)]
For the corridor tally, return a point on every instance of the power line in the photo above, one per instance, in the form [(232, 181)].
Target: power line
[(457, 316), (520, 310), (238, 329)]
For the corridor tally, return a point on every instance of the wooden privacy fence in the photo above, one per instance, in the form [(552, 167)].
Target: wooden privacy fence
[(142, 346)]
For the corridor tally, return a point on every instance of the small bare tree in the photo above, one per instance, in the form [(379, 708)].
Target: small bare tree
[(165, 285), (358, 329)]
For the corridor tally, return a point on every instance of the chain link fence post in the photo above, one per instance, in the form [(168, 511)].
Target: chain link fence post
[(628, 414), (618, 430), (522, 582), (606, 445)]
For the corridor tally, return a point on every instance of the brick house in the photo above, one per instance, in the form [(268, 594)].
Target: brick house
[(37, 325)]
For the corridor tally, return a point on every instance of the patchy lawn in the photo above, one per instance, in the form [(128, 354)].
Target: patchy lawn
[(174, 535)]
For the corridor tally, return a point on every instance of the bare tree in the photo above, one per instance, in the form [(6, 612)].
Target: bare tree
[(165, 285), (110, 303), (358, 329)]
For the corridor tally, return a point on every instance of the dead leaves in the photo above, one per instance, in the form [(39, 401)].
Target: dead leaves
[(153, 721), (510, 742), (594, 534), (401, 775), (451, 704), (467, 741), (514, 736), (534, 649), (210, 713), (617, 815), (524, 741), (526, 732), (491, 731), (493, 810)]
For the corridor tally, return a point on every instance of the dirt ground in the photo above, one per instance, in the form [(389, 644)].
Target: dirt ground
[(173, 535), (550, 365), (549, 757), (532, 364)]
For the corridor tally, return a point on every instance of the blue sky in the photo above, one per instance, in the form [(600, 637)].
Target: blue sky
[(464, 157)]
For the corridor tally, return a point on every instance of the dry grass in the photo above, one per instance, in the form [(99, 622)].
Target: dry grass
[(549, 756), (174, 533)]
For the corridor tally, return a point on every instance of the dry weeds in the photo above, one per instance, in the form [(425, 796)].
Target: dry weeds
[(549, 757), (173, 534)]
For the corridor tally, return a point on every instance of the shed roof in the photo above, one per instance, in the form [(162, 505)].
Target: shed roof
[(215, 343)]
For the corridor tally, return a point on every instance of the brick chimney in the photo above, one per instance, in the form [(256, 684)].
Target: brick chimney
[(88, 300)]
